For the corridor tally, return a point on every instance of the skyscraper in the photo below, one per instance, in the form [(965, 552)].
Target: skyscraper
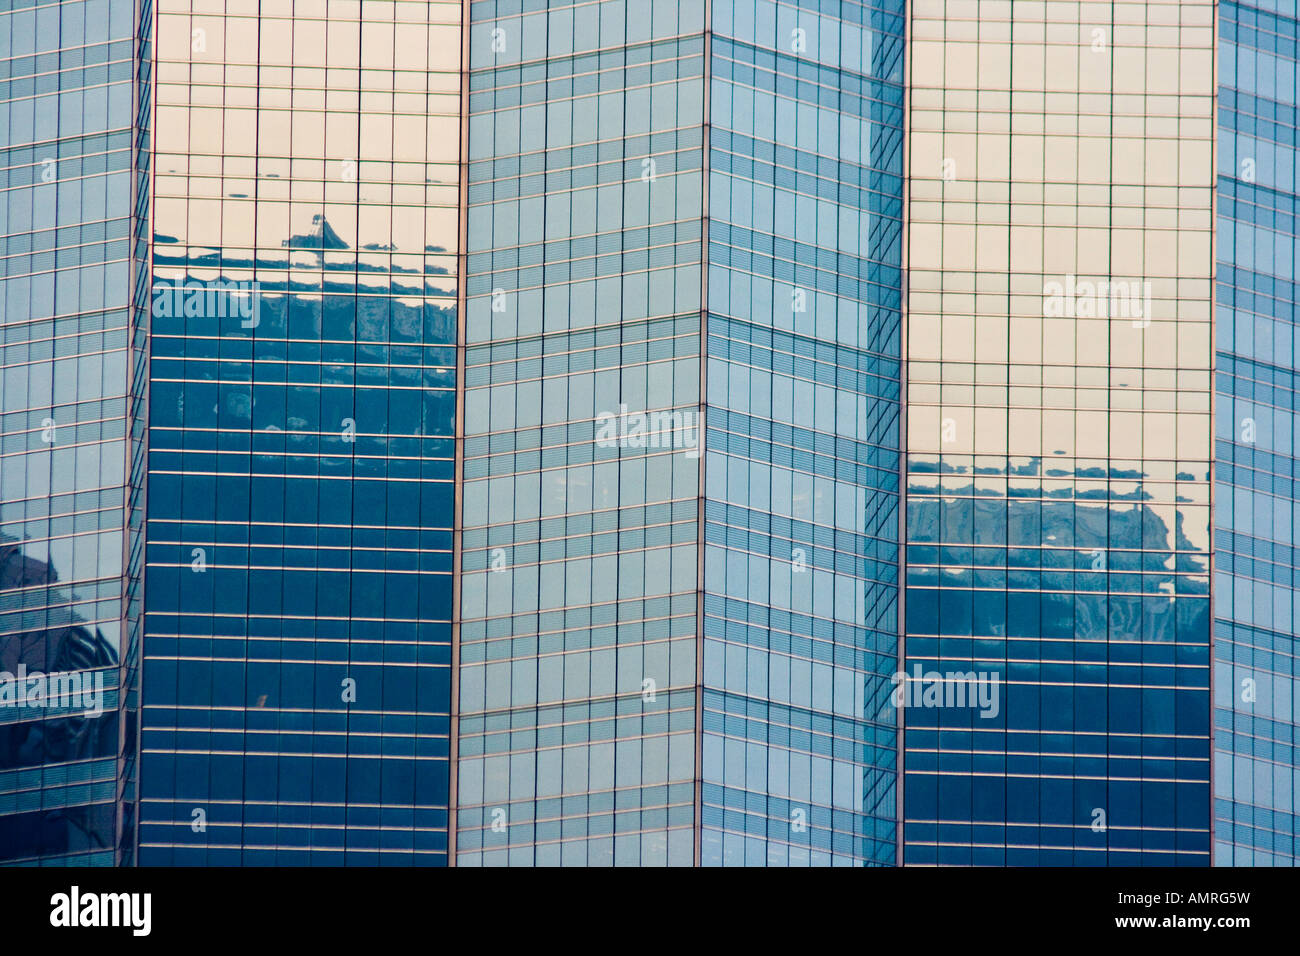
[(678, 605), (1255, 451), (579, 604), (674, 432), (801, 472), (73, 285), (1059, 266), (301, 434)]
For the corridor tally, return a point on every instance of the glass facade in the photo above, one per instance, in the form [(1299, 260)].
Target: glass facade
[(1060, 245), (297, 660), (580, 502), (602, 526), (68, 231), (493, 432), (801, 509), (1255, 608)]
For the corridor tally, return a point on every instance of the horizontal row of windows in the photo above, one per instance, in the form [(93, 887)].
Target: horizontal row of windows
[(579, 581), (824, 541), (1262, 817), (804, 173), (1228, 475), (1139, 812), (282, 788), (583, 836), (1272, 762), (999, 558), (157, 852), (871, 282), (1258, 735), (39, 533), (641, 671), (389, 557), (1031, 498), (768, 628), (515, 176), (322, 533), (579, 545), (1027, 845), (306, 501), (221, 697), (42, 240), (54, 420), (1247, 390), (332, 330), (851, 11), (1245, 125), (810, 78), (647, 116), (315, 272), (1244, 368), (66, 439), (845, 747), (638, 772), (520, 527), (333, 637), (408, 596), (42, 350), (70, 257), (410, 365), (745, 838), (391, 744), (1005, 615), (632, 636), (559, 32), (45, 505), (605, 245), (93, 783), (60, 614), (96, 576), (278, 842), (480, 359), (1237, 196), (582, 449), (1233, 211), (995, 521), (990, 583), (35, 330), (813, 358), (1248, 290), (657, 302), (308, 381), (671, 610), (1090, 473), (296, 457), (820, 452), (74, 149), (1247, 568), (569, 807), (625, 729), (666, 63), (1243, 26), (725, 843), (1231, 646), (882, 102), (806, 266), (1246, 838), (69, 78), (886, 19)]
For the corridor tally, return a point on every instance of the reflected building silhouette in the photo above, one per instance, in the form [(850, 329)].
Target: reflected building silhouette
[(61, 808)]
